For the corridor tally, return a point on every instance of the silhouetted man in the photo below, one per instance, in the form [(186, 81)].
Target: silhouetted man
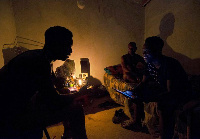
[(132, 64), (28, 98), (165, 82), (133, 67)]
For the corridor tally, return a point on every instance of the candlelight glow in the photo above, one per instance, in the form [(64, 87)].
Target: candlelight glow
[(80, 82), (74, 76)]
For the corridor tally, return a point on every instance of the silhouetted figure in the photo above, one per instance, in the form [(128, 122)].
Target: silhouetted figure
[(133, 67), (28, 98), (165, 82), (132, 64)]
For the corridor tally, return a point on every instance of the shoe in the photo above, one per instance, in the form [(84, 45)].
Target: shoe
[(119, 116)]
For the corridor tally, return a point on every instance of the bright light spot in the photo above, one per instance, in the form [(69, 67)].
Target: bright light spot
[(80, 82), (74, 76)]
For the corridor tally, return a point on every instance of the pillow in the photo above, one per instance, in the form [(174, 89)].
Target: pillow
[(114, 70), (110, 70)]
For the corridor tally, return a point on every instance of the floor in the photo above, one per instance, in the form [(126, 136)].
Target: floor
[(99, 123)]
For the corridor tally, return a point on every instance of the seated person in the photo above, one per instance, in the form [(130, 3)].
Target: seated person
[(164, 82), (132, 64), (28, 98)]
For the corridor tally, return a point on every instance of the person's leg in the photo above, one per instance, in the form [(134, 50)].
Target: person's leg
[(136, 114), (129, 77), (71, 115), (166, 111), (131, 112), (136, 109), (133, 109), (74, 124), (160, 123), (73, 119), (167, 123)]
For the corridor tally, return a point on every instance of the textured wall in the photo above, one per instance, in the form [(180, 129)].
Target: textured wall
[(177, 22), (7, 27), (102, 29)]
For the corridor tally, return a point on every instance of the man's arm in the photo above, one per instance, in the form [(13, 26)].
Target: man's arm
[(125, 68), (169, 89), (138, 88)]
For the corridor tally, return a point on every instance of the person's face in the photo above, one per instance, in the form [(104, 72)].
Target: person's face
[(147, 55), (65, 49), (131, 49)]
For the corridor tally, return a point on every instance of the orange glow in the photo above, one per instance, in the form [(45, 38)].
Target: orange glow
[(80, 82)]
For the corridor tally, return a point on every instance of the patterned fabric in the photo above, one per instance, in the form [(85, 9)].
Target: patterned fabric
[(111, 82), (114, 70)]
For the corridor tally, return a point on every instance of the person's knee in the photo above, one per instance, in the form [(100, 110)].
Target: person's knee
[(129, 77)]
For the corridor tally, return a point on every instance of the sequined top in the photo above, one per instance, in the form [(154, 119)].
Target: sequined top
[(170, 69), (153, 72)]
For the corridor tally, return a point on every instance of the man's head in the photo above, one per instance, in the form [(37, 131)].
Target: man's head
[(58, 40), (152, 48), (132, 48)]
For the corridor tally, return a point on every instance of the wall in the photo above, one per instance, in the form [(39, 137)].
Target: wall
[(102, 29), (177, 23), (7, 27)]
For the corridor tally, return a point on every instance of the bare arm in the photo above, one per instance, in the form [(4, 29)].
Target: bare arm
[(141, 84), (124, 66)]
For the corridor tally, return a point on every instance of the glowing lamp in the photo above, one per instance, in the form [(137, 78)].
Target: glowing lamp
[(80, 82)]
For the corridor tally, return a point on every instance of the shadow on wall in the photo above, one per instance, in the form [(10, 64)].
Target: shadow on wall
[(166, 28)]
